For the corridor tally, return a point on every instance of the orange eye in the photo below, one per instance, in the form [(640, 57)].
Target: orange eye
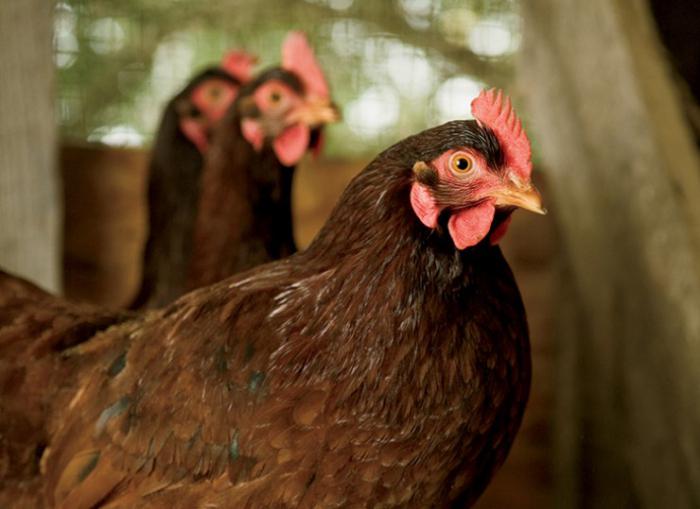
[(275, 97), (461, 163)]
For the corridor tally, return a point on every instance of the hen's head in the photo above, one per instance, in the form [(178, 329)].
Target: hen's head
[(288, 106), (474, 173), (208, 96)]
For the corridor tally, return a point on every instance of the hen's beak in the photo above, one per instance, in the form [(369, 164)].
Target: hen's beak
[(314, 112), (523, 196)]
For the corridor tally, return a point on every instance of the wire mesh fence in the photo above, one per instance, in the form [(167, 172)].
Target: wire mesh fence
[(395, 66)]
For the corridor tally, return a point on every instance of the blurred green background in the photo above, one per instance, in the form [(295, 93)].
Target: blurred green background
[(395, 66)]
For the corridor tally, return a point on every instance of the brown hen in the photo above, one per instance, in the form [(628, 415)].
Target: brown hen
[(244, 217), (175, 170), (388, 365)]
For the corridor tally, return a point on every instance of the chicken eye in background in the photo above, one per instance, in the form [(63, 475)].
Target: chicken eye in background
[(293, 104), (275, 97), (213, 97)]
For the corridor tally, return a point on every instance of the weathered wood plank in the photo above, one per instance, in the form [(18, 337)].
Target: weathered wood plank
[(625, 174), (29, 193), (104, 222)]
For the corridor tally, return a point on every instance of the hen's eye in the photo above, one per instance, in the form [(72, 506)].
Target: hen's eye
[(275, 97), (461, 163)]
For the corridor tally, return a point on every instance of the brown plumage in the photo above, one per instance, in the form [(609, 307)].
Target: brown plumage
[(35, 331), (244, 216), (220, 202), (382, 367), (173, 189)]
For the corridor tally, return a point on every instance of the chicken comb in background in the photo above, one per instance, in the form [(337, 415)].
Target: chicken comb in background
[(239, 64), (496, 112), (298, 57)]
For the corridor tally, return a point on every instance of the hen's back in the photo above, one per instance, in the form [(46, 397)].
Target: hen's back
[(37, 330)]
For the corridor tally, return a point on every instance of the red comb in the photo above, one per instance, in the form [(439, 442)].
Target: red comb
[(239, 64), (298, 57), (496, 113)]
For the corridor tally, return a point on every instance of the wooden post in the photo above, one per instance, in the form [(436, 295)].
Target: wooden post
[(29, 197), (625, 180)]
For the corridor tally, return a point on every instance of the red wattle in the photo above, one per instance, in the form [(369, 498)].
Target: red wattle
[(468, 226), (253, 133), (291, 144)]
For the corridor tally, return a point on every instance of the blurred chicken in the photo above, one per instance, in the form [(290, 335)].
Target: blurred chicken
[(245, 212), (236, 210), (388, 365), (175, 171)]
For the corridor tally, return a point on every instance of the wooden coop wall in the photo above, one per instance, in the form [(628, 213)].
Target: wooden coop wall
[(105, 220)]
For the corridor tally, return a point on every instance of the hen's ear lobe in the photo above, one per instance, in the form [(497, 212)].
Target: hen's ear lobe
[(195, 131), (253, 133), (422, 200), (424, 205)]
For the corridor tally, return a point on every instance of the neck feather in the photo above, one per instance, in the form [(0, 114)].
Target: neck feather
[(245, 214)]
